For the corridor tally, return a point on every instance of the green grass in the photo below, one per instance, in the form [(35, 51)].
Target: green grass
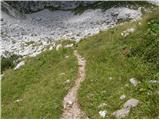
[(108, 54), (40, 84)]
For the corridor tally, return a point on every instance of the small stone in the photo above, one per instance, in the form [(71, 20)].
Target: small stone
[(67, 56), (102, 105), (18, 100), (67, 81), (69, 103), (139, 23), (68, 46), (51, 47), (58, 47), (122, 34), (133, 81), (110, 78), (131, 103), (103, 113), (122, 97), (19, 65)]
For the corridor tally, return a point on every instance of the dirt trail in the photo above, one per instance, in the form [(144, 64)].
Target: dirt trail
[(71, 106)]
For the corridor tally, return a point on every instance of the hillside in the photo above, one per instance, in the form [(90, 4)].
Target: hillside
[(90, 60), (113, 60)]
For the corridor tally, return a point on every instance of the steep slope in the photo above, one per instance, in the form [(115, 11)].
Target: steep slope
[(122, 65)]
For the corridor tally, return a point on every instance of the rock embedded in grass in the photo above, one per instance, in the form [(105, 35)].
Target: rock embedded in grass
[(51, 47), (103, 113), (122, 113), (67, 56), (133, 81), (19, 65), (110, 78), (127, 32), (58, 47), (18, 100), (67, 81), (131, 103), (122, 97), (68, 46)]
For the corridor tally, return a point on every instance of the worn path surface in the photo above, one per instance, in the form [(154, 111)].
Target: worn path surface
[(72, 108)]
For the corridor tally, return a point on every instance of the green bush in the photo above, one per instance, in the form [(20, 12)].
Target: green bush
[(9, 62)]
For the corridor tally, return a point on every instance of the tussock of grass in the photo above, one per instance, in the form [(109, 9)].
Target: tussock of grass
[(108, 54), (39, 85)]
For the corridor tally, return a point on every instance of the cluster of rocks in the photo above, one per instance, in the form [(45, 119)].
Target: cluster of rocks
[(127, 106), (127, 32), (45, 27)]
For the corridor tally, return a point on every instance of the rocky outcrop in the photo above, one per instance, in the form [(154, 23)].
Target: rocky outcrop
[(31, 36), (39, 30)]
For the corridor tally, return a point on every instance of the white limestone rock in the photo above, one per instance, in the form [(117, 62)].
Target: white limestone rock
[(18, 100), (66, 56), (67, 81), (68, 46), (19, 65), (58, 47), (133, 81), (122, 113), (36, 26), (103, 113), (122, 97), (131, 103), (69, 103), (127, 32)]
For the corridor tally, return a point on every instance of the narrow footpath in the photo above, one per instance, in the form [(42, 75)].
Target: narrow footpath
[(72, 108)]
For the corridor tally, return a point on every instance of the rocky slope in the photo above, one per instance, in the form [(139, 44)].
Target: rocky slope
[(30, 34)]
